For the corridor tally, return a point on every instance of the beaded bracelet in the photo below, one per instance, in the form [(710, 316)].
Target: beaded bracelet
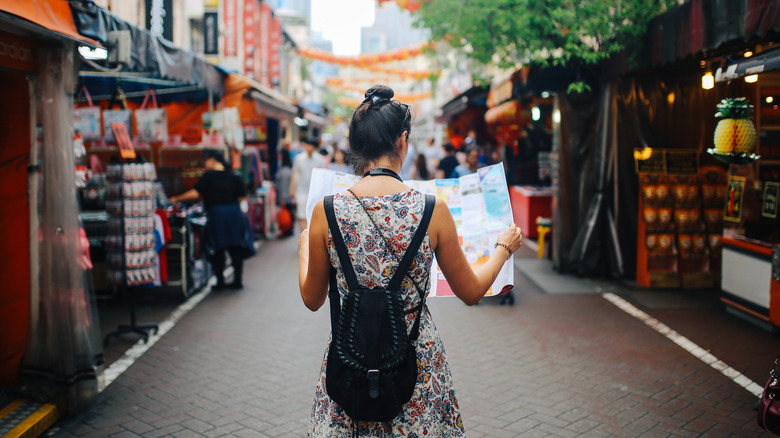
[(505, 246)]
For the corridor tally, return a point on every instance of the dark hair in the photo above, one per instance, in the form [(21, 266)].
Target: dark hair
[(285, 158), (449, 148), (472, 149), (421, 165), (217, 155), (376, 126)]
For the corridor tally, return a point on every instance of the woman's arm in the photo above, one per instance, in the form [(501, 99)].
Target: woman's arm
[(189, 195), (468, 284), (313, 260)]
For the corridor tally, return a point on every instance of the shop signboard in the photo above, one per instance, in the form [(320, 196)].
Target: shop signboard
[(159, 18), (210, 34), (17, 52), (230, 27), (733, 208), (649, 160), (666, 161), (682, 161), (771, 192)]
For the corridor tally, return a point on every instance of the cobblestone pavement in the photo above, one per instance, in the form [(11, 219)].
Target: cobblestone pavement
[(244, 364)]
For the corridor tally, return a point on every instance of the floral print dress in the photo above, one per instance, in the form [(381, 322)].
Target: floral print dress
[(433, 408)]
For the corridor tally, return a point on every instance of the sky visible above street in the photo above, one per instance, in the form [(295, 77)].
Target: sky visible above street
[(340, 21)]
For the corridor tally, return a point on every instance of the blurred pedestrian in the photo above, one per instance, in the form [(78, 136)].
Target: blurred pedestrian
[(448, 163), (283, 199), (303, 164), (433, 154), (379, 143), (227, 228), (470, 165), (408, 164), (420, 170), (339, 161)]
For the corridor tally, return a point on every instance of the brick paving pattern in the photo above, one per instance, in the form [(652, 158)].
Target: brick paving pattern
[(244, 364)]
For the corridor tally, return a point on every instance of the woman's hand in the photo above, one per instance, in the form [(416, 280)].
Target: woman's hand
[(511, 239)]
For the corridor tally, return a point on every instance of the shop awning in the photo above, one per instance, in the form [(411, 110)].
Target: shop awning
[(271, 102), (474, 95), (762, 62), (52, 15), (315, 119), (508, 113), (705, 25), (149, 53)]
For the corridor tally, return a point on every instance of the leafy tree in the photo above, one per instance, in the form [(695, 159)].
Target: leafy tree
[(558, 32)]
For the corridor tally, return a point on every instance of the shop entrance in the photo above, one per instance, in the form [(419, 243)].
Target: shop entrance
[(14, 223)]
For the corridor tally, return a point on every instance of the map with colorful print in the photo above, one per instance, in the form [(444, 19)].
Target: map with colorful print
[(479, 204)]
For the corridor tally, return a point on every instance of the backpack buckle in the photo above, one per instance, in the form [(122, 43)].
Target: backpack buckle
[(373, 383)]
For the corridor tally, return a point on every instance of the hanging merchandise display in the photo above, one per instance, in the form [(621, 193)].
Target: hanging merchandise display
[(86, 120), (123, 116), (130, 241), (151, 124), (735, 135)]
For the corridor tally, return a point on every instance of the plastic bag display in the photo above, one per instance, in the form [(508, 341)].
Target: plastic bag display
[(112, 116)]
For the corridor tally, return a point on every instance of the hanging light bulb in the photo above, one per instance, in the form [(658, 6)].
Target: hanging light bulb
[(752, 78), (708, 81), (770, 99)]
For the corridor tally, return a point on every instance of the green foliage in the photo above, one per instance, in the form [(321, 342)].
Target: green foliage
[(735, 108), (578, 87), (557, 32)]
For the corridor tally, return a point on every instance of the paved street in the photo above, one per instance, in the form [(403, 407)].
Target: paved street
[(556, 364)]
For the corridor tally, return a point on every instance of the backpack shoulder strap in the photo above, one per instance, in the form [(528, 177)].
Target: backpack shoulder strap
[(338, 242), (414, 246)]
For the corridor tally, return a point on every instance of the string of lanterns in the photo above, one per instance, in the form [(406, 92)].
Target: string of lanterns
[(401, 54), (409, 5), (411, 97)]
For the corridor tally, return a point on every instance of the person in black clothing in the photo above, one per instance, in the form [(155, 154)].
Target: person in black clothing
[(448, 163), (227, 228)]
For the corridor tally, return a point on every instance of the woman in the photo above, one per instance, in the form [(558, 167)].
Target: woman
[(379, 143), (227, 228), (339, 163), (469, 166)]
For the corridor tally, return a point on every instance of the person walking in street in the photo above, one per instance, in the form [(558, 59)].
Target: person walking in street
[(433, 154), (283, 198), (227, 228), (469, 166), (379, 143), (448, 163), (303, 164), (339, 163)]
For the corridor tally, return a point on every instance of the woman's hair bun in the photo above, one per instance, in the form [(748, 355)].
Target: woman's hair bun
[(380, 92)]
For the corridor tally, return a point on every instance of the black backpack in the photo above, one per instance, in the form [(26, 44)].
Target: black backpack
[(372, 364)]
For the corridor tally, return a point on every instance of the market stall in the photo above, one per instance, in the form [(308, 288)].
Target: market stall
[(158, 100), (51, 347)]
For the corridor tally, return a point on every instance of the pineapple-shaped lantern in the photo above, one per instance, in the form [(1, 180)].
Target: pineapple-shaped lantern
[(735, 135)]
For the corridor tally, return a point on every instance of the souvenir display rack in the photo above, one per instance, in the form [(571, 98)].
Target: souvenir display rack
[(679, 229), (130, 241)]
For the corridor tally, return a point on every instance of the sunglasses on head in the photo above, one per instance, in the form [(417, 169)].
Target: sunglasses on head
[(408, 112)]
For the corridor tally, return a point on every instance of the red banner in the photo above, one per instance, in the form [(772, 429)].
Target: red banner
[(230, 27)]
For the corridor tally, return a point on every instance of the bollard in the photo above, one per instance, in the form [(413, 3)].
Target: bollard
[(543, 226)]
